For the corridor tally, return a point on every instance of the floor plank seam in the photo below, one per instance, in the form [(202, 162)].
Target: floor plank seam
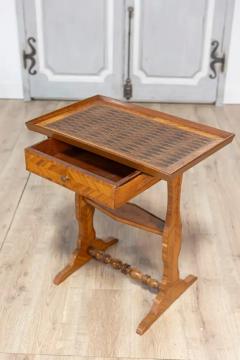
[(15, 211), (91, 356)]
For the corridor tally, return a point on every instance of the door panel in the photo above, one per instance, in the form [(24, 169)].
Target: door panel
[(73, 54), (79, 47), (158, 31), (171, 49), (82, 48)]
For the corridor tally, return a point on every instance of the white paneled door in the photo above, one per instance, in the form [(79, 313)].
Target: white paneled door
[(171, 49), (160, 50), (78, 47)]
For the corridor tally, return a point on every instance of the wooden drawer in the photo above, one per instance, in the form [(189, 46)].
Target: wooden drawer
[(91, 175)]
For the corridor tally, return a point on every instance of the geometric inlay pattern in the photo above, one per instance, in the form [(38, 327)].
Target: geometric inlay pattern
[(136, 136)]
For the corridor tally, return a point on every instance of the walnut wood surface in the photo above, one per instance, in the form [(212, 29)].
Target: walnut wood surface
[(64, 322), (133, 215), (170, 287), (173, 286), (86, 238), (148, 140), (125, 268), (88, 174), (163, 300)]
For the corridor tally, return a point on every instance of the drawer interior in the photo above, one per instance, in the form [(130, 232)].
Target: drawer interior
[(89, 162)]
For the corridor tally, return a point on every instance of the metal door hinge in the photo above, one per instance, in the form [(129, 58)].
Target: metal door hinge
[(215, 59), (127, 87), (30, 56)]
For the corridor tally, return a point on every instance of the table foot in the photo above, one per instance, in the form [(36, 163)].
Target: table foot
[(163, 300), (80, 257)]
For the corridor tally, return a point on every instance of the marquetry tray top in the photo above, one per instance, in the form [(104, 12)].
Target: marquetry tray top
[(108, 152), (145, 139)]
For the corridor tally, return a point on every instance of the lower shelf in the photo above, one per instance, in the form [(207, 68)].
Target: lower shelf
[(133, 215)]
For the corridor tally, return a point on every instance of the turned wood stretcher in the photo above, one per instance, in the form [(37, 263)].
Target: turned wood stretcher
[(107, 152)]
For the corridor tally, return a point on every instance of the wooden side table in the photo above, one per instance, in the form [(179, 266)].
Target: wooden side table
[(107, 152)]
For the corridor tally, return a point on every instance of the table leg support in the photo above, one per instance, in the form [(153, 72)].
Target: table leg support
[(173, 286), (86, 238), (163, 300)]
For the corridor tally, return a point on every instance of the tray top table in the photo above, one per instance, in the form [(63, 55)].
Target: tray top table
[(145, 139), (107, 152)]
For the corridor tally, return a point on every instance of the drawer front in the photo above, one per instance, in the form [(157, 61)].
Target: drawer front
[(132, 188), (57, 171), (89, 185)]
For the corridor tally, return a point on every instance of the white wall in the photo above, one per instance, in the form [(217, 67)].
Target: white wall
[(232, 87), (10, 69)]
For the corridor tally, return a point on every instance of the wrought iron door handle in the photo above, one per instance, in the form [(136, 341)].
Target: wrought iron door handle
[(127, 88)]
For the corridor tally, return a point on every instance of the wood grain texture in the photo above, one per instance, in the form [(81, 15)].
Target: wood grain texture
[(172, 233), (133, 215), (113, 189), (86, 238), (153, 142), (125, 268), (63, 322), (172, 285), (12, 118), (139, 137), (52, 357)]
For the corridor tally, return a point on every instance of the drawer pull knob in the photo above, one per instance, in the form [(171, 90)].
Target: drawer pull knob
[(64, 178)]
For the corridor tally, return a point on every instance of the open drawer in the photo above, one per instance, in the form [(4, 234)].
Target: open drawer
[(93, 176)]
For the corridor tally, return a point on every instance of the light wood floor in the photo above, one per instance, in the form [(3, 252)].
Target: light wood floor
[(39, 321)]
